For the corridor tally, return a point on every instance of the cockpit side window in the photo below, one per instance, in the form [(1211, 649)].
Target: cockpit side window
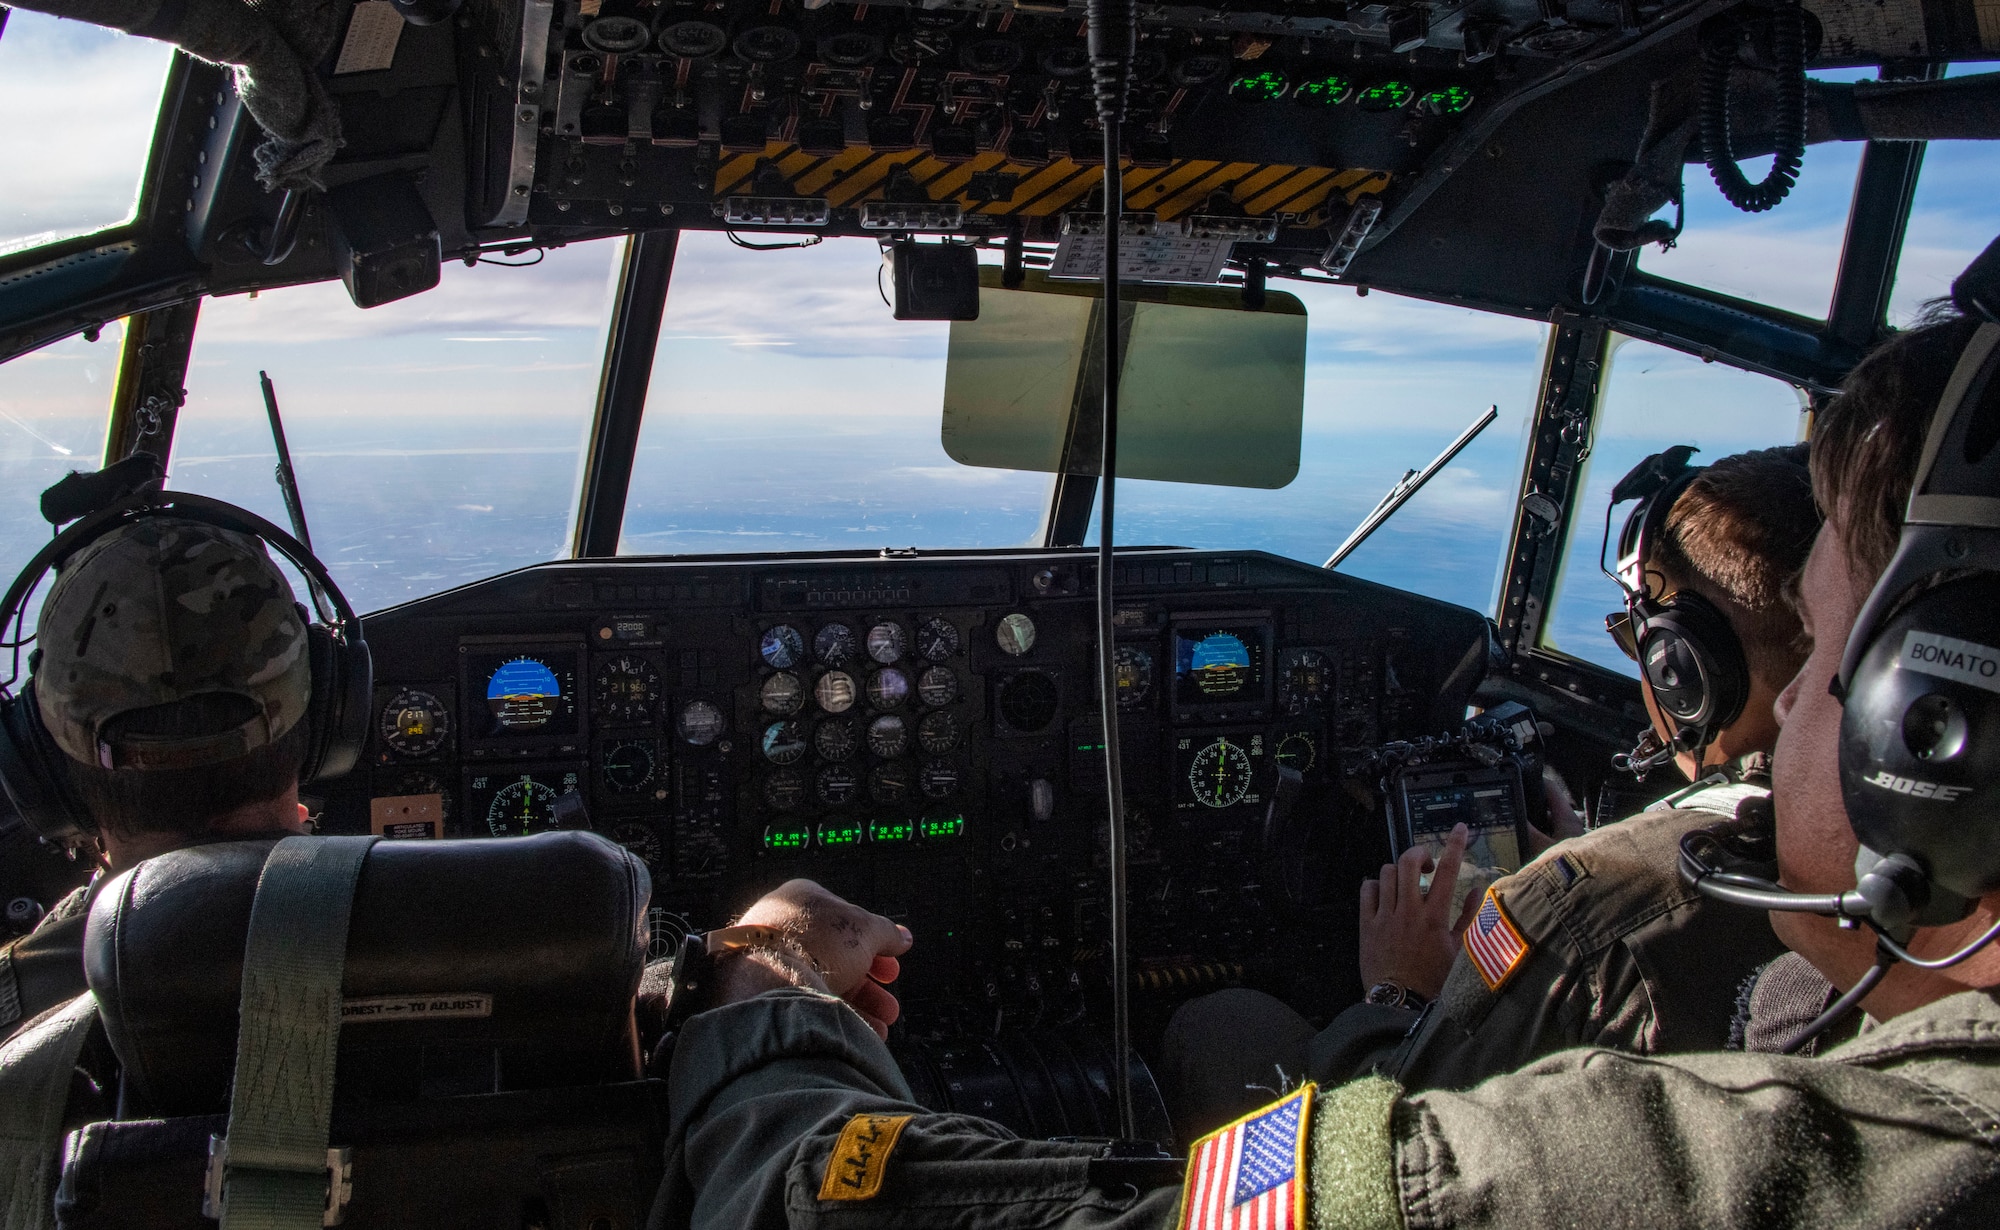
[(54, 404), (789, 411), (437, 439), (1390, 381), (80, 102), (1653, 397), (1786, 257), (1953, 216)]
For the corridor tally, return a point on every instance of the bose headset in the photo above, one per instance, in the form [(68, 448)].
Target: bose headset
[(1919, 685), (1693, 663), (33, 770)]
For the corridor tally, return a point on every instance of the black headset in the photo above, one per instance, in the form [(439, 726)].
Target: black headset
[(1919, 686), (1692, 660), (33, 769)]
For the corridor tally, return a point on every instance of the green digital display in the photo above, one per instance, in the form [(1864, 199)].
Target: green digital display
[(891, 830), (1386, 96), (835, 834), (1451, 100), (1325, 91), (943, 826), (787, 836), (1267, 86)]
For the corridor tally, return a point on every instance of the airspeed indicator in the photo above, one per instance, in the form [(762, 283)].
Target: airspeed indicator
[(1219, 774)]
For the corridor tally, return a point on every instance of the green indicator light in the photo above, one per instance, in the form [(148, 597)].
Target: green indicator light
[(1093, 748), (787, 836), (944, 826), (1387, 96), (1451, 100), (1267, 86), (891, 830), (840, 833), (1324, 91)]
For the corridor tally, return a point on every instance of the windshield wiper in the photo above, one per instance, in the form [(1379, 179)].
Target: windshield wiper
[(1412, 482)]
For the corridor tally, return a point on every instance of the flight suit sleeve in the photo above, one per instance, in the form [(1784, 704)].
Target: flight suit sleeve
[(1607, 1140), (761, 1091)]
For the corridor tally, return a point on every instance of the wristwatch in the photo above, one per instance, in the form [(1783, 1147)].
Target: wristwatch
[(1392, 994), (694, 968)]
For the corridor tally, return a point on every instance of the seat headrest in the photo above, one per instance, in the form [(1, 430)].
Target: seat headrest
[(472, 966)]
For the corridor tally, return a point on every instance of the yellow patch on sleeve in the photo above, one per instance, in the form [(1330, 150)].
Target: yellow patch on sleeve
[(860, 1157)]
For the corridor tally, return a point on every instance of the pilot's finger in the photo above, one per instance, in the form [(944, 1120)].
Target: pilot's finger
[(1449, 862), (876, 1006), (1410, 875), (885, 969), (1388, 885), (1371, 899)]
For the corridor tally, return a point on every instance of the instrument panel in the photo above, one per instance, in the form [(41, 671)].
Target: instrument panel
[(923, 735)]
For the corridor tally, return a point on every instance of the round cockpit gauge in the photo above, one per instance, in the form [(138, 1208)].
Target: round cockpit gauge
[(766, 44), (888, 737), (937, 639), (626, 690), (629, 766), (938, 779), (788, 835), (937, 686), (938, 733), (835, 691), (782, 647), (836, 739), (1219, 774), (834, 645), (1305, 681), (836, 784), (1297, 750), (1015, 634), (784, 742), (784, 790), (886, 642), (840, 834), (640, 838), (1028, 701), (693, 40), (892, 829), (416, 781), (700, 723), (889, 784), (782, 693), (888, 688), (521, 807), (415, 723), (1134, 668)]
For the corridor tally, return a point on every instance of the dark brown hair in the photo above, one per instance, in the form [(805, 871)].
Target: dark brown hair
[(128, 803), (1867, 442), (1740, 532)]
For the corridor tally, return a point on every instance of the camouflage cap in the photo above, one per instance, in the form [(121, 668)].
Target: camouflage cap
[(162, 610)]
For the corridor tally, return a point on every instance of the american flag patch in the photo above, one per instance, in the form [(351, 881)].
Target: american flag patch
[(1249, 1175), (1495, 947)]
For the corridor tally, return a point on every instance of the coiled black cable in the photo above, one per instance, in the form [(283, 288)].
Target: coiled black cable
[(1112, 39), (1788, 48)]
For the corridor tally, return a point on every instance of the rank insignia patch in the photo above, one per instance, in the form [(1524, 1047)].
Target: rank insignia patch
[(1495, 947), (1251, 1174), (860, 1156)]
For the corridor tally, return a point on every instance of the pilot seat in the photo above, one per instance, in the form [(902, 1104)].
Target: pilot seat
[(487, 1063)]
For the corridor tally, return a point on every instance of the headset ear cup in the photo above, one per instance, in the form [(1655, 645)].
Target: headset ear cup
[(1693, 663), (35, 774), (342, 688)]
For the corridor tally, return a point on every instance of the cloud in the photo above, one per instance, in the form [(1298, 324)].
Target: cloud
[(81, 102)]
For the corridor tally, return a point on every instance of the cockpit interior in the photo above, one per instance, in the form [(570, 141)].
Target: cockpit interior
[(701, 401)]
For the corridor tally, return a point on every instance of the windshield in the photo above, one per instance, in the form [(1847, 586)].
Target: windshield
[(80, 102)]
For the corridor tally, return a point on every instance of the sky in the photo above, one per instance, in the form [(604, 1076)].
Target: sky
[(438, 440)]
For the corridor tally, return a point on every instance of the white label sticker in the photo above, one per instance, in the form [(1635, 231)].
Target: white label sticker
[(459, 1006), (372, 35), (1947, 657)]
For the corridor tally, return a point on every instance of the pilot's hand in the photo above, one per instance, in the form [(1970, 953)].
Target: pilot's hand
[(836, 946), (1408, 935), (1564, 820)]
